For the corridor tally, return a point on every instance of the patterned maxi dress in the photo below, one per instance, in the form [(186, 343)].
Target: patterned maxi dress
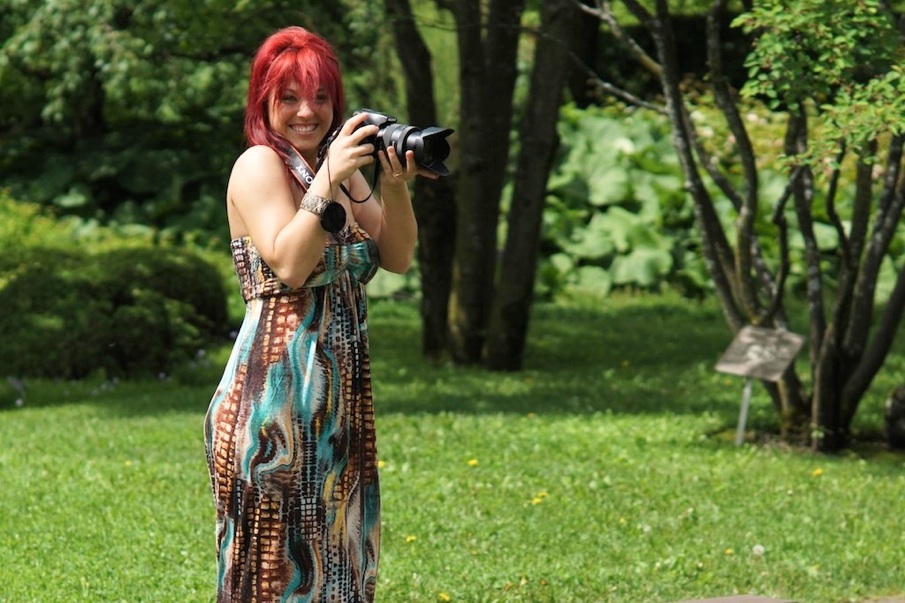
[(290, 435)]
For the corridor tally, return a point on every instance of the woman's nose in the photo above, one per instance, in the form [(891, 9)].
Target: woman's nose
[(305, 108)]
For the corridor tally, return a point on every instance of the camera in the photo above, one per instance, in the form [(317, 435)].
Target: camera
[(428, 144)]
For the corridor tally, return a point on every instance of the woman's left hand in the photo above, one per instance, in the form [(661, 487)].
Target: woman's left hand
[(395, 173)]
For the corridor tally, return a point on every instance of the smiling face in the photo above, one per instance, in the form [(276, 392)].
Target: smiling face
[(295, 93), (302, 121)]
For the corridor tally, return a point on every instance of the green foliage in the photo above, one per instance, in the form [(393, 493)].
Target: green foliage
[(811, 48), (617, 214), (844, 56), (868, 111), (842, 63), (123, 102), (124, 312), (72, 310)]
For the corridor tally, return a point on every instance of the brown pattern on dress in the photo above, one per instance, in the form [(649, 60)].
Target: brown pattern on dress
[(290, 436)]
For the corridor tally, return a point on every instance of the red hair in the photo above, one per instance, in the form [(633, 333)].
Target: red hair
[(292, 53)]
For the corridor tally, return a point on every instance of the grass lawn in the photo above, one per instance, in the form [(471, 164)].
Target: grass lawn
[(603, 472)]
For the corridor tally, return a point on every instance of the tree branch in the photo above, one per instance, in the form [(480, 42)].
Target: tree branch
[(717, 251), (803, 194), (831, 205), (782, 273), (638, 10), (608, 88), (748, 204), (604, 12), (879, 347), (890, 208)]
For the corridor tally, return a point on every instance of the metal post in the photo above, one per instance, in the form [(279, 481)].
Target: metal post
[(743, 413)]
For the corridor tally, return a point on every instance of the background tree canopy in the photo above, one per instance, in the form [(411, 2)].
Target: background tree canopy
[(132, 111)]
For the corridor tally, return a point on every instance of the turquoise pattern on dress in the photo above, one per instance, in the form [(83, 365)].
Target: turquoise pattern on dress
[(290, 438)]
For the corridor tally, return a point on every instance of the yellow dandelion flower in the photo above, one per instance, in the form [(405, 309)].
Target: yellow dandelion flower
[(729, 552), (473, 463), (537, 500), (817, 472), (381, 464), (444, 597), (411, 538)]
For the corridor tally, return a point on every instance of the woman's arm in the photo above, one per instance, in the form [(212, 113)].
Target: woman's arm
[(389, 217), (263, 202), (263, 199)]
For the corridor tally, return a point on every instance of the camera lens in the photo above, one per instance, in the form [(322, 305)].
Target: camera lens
[(429, 145), (396, 136)]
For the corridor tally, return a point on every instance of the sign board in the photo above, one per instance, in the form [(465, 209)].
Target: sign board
[(760, 353)]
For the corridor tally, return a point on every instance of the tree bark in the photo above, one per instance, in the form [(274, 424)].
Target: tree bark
[(487, 72), (891, 205), (506, 338), (434, 200)]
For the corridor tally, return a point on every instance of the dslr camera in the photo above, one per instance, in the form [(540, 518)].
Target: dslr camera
[(428, 144)]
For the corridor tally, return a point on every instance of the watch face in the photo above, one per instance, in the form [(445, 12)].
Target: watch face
[(333, 217)]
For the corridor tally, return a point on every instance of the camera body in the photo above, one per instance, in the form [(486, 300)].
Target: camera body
[(429, 144)]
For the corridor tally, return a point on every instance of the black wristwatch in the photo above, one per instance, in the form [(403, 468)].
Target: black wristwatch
[(331, 213)]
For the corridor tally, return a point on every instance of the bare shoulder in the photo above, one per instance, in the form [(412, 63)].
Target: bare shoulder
[(256, 158), (259, 185), (258, 168)]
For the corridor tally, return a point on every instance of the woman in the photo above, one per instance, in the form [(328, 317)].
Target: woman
[(290, 430)]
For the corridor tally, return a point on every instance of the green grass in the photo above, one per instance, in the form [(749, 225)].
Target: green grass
[(603, 472)]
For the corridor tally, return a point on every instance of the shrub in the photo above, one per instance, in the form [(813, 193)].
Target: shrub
[(70, 311)]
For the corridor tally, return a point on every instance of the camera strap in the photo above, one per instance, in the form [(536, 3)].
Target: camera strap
[(298, 167)]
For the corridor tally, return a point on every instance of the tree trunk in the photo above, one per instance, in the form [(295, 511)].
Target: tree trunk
[(889, 212), (487, 53), (512, 305), (829, 434), (434, 200)]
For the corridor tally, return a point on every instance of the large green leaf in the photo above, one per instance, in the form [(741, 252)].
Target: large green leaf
[(644, 267), (593, 242), (592, 279), (608, 187)]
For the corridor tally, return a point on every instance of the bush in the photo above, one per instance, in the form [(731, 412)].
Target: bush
[(126, 311), (617, 215)]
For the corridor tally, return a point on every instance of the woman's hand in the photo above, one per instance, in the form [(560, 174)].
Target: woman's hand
[(394, 173), (349, 152)]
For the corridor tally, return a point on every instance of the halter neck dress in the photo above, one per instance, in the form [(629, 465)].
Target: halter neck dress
[(290, 438)]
